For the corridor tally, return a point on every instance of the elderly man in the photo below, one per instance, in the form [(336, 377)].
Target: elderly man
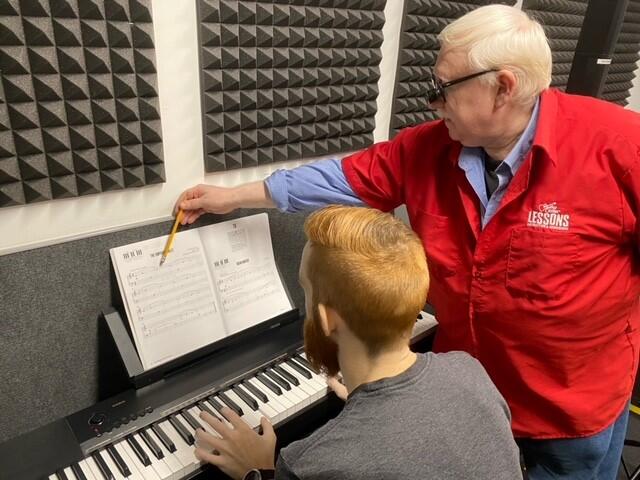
[(527, 201), (365, 278)]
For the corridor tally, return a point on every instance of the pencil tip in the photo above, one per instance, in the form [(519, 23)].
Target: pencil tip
[(162, 261)]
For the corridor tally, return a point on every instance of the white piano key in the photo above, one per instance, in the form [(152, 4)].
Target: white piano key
[(112, 466), (183, 451), (195, 411), (159, 465), (146, 472), (250, 417), (88, 472), (136, 474), (218, 414), (307, 385), (69, 473), (284, 408), (169, 458), (53, 476), (263, 408), (93, 466), (284, 401)]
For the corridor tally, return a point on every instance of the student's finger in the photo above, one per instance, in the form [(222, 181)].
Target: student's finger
[(267, 428), (216, 424), (210, 457), (234, 419)]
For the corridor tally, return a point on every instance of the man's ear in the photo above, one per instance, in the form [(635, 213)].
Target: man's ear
[(506, 85), (327, 319)]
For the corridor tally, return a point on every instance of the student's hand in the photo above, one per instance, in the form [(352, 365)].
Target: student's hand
[(204, 199), (338, 388), (240, 448)]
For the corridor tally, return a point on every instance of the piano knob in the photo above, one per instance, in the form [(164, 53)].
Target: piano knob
[(97, 419)]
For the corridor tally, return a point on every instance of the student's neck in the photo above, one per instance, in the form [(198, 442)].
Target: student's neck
[(358, 368)]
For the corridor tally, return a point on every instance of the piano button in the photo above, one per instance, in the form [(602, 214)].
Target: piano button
[(299, 368), (137, 449), (141, 471), (259, 394), (61, 475), (159, 465), (304, 362), (225, 397), (182, 430), (172, 461), (162, 435), (189, 418), (246, 396), (78, 472), (119, 461), (269, 384), (277, 379), (151, 443), (250, 417), (286, 375), (106, 472)]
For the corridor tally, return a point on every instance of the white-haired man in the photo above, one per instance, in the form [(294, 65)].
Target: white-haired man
[(527, 201)]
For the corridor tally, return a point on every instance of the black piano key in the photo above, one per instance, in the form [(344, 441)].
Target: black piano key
[(78, 472), (286, 375), (304, 362), (102, 466), (182, 431), (190, 420), (151, 443), (269, 384), (278, 379), (119, 461), (140, 453), (216, 404), (246, 397), (299, 368), (256, 392), (230, 403), (203, 406), (164, 438), (61, 475)]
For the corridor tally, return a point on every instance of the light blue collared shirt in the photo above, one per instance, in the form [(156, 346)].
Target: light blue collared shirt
[(322, 183)]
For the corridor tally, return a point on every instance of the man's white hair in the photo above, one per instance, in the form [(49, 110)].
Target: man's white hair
[(503, 38)]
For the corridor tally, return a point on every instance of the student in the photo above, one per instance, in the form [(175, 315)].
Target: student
[(407, 415)]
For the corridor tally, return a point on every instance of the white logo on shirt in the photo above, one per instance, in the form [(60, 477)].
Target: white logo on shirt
[(548, 216)]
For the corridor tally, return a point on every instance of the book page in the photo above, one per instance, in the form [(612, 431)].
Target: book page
[(172, 309), (240, 257)]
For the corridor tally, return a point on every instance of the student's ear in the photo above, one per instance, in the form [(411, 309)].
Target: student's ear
[(327, 319)]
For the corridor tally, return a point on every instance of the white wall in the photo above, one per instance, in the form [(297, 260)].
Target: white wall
[(634, 99), (44, 223)]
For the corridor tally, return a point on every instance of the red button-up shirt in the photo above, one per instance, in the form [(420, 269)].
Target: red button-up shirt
[(546, 296)]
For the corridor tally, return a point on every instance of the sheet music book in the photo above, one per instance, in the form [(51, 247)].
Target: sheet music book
[(217, 280)]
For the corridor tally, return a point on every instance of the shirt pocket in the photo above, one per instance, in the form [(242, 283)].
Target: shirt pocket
[(540, 264), (439, 245)]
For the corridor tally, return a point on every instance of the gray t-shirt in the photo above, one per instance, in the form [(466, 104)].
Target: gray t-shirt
[(440, 419)]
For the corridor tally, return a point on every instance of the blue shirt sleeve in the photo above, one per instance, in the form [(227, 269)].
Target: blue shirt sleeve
[(311, 186)]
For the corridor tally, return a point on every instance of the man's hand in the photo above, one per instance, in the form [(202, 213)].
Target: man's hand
[(338, 388), (239, 449), (205, 199)]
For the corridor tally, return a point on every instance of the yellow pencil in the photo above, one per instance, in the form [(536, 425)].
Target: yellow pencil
[(169, 244)]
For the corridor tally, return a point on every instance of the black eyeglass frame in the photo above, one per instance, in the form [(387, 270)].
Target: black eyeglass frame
[(437, 88)]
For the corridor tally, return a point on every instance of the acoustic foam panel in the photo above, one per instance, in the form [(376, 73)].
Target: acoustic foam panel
[(621, 73), (284, 80), (422, 21), (78, 100), (562, 21)]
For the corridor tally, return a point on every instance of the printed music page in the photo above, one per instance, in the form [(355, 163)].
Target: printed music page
[(240, 257), (172, 309)]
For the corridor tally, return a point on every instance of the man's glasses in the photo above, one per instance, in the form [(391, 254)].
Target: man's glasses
[(437, 87)]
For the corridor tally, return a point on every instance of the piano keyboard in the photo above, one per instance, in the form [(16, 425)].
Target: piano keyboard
[(164, 448)]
